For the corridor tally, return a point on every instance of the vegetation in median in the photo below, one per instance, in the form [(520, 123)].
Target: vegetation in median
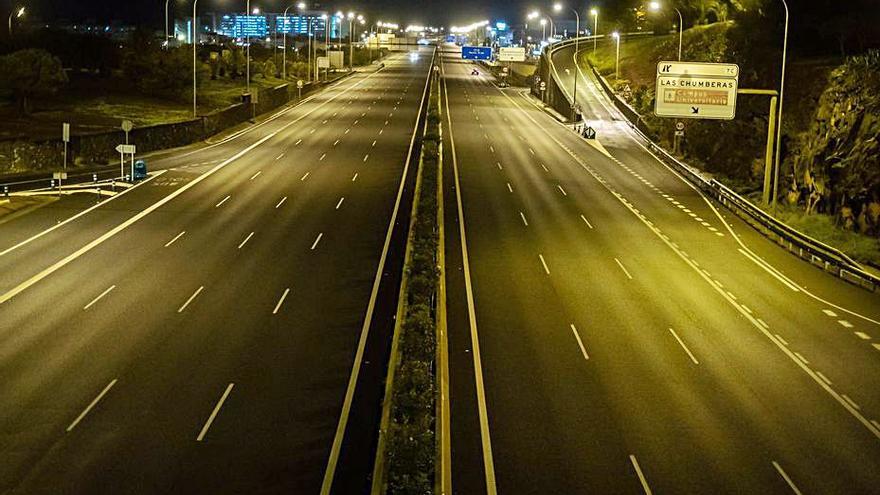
[(410, 441)]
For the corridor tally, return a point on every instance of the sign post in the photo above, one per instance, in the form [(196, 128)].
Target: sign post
[(127, 126), (59, 176), (125, 149), (65, 136), (691, 90), (299, 89)]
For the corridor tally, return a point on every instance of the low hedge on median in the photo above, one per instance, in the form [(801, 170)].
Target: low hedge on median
[(411, 447)]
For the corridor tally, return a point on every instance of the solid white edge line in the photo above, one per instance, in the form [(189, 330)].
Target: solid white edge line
[(256, 175), (754, 260), (281, 202), (91, 405), (89, 305), (335, 449), (191, 299), (488, 461), (317, 240), (172, 241), (78, 215), (544, 263), (340, 202), (641, 475), (787, 479), (526, 222), (218, 205), (214, 413), (688, 351), (579, 341), (281, 301)]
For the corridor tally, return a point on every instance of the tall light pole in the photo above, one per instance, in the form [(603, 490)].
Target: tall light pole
[(166, 22), (15, 13), (577, 33), (616, 36), (300, 6), (350, 42), (248, 41), (781, 100), (655, 6), (195, 42), (326, 44), (595, 14), (544, 30)]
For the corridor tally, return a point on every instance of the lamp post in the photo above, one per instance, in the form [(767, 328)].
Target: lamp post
[(595, 14), (300, 6), (544, 30), (195, 42), (326, 44), (781, 101), (557, 7), (616, 36), (350, 42), (655, 6), (248, 41), (166, 22), (15, 13)]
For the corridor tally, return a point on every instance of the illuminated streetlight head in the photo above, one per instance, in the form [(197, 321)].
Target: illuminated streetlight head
[(543, 22), (615, 35), (360, 17), (256, 10), (323, 17), (351, 15), (20, 12), (301, 6), (655, 6), (340, 14), (594, 12), (533, 14), (362, 22), (557, 7)]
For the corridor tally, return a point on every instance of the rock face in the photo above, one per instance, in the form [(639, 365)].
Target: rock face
[(836, 163)]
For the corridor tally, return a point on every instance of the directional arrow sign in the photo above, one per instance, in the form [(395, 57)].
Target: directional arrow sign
[(126, 148), (696, 90)]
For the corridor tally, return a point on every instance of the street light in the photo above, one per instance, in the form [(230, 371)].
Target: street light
[(15, 13), (616, 36), (544, 30), (300, 6), (595, 14), (166, 22), (655, 6), (781, 94), (195, 40), (558, 7)]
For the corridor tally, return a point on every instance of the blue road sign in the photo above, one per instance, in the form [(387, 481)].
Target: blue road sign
[(476, 53)]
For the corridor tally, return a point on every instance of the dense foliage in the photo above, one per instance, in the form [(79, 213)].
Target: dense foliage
[(29, 74)]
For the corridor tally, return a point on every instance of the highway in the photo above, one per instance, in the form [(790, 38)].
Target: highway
[(199, 333), (613, 331)]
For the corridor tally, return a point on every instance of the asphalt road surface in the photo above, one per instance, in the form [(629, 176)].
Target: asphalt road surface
[(632, 336), (198, 333)]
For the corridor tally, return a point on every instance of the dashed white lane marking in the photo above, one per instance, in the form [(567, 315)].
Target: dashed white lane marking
[(322, 157), (256, 175), (823, 377), (876, 346), (366, 157), (525, 222), (784, 342), (641, 475), (381, 131), (91, 405), (845, 324), (498, 164), (509, 188), (863, 336), (544, 264), (281, 202), (92, 303), (281, 301), (561, 190), (214, 413), (324, 121), (347, 130), (172, 241), (830, 313), (191, 299), (317, 240), (492, 149), (304, 177), (218, 205), (623, 268), (245, 241), (279, 157), (312, 131), (374, 144), (586, 221), (545, 168), (681, 342), (801, 357), (851, 402), (339, 204), (298, 142), (335, 143), (579, 341), (787, 479)]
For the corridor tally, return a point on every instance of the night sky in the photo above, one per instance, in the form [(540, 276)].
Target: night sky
[(447, 12)]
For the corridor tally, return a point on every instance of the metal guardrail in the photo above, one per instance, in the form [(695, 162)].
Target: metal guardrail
[(817, 253)]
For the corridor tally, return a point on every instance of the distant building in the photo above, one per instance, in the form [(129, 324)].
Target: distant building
[(268, 25)]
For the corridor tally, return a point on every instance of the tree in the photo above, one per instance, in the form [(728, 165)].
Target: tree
[(30, 74), (165, 73)]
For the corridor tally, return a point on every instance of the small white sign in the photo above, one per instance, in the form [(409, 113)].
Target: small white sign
[(694, 90), (299, 83), (126, 148), (127, 125), (323, 62), (512, 54), (65, 132), (59, 175)]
